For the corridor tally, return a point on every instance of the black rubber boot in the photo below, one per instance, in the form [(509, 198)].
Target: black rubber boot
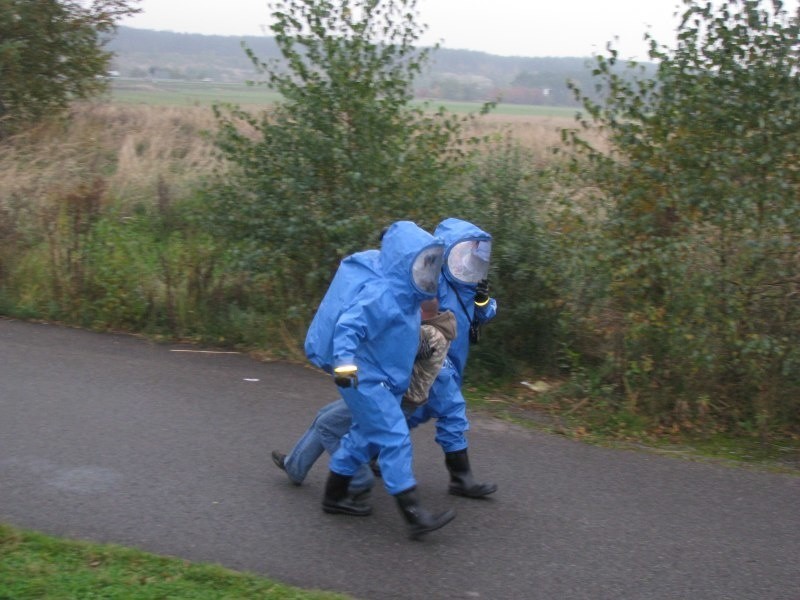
[(338, 501), (419, 520), (462, 483), (361, 496)]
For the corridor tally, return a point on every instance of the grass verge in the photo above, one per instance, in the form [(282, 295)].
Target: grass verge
[(589, 422), (33, 565)]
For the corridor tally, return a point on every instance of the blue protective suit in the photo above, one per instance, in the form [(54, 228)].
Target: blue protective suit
[(370, 317), (445, 402)]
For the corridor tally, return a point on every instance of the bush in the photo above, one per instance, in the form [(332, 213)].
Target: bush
[(698, 251)]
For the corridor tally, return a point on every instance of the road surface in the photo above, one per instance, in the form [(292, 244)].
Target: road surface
[(116, 439)]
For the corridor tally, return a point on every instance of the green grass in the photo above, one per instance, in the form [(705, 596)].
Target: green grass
[(591, 424), (33, 565), (198, 93), (524, 110), (188, 93), (783, 456)]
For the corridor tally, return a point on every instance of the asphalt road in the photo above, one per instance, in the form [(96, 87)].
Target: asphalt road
[(115, 439)]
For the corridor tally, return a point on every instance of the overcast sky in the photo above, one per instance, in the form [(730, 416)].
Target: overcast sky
[(504, 27)]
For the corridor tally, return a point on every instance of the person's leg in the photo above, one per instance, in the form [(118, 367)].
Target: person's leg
[(415, 415), (419, 521), (448, 405), (310, 446), (330, 428), (363, 481), (338, 500), (333, 424), (379, 423), (349, 453)]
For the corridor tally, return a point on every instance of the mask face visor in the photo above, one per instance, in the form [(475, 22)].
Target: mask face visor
[(426, 269), (468, 261)]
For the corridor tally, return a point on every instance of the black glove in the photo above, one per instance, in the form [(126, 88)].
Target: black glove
[(346, 376), (482, 292)]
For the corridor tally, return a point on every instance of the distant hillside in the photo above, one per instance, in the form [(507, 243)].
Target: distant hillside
[(454, 74)]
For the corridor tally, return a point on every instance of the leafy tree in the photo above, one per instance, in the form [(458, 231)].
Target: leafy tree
[(51, 52), (344, 153), (703, 224)]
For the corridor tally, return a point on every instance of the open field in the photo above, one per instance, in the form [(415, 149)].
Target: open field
[(535, 127), (188, 93), (198, 93)]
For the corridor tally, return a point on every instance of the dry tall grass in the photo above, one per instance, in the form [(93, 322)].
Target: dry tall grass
[(145, 153), (538, 134), (140, 152)]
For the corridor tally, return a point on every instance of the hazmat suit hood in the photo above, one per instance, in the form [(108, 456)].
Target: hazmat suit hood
[(468, 249), (466, 262), (411, 260)]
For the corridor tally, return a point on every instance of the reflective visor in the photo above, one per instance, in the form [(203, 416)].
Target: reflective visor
[(426, 269), (468, 261)]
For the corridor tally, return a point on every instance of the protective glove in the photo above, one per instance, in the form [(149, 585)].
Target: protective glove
[(346, 376), (482, 292)]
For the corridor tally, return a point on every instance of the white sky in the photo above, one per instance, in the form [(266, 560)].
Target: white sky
[(503, 27)]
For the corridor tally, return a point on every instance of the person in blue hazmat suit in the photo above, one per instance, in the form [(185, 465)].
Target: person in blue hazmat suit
[(365, 333), (464, 290)]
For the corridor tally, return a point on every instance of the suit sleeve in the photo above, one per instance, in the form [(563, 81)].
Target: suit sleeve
[(487, 312)]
